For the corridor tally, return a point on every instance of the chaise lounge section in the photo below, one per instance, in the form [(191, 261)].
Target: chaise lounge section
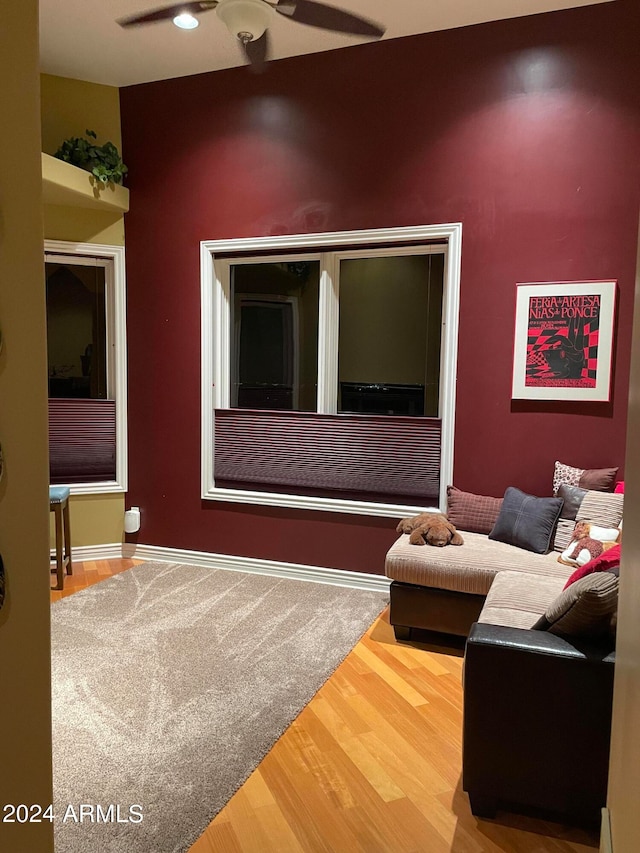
[(444, 589), (537, 709)]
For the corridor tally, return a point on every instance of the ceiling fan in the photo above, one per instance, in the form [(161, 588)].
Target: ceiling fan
[(248, 20)]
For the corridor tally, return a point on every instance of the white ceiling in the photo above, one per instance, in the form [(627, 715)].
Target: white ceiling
[(81, 39)]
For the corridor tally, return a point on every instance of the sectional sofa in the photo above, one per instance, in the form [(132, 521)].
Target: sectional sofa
[(537, 690)]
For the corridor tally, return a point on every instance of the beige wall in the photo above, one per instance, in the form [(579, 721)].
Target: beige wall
[(390, 322), (79, 224), (69, 108), (96, 519), (624, 773), (394, 347), (25, 669)]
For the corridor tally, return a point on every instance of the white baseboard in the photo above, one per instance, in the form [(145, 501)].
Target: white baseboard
[(317, 574), (80, 553), (606, 843)]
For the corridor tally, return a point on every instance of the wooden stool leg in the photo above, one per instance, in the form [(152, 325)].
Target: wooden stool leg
[(67, 538), (59, 546)]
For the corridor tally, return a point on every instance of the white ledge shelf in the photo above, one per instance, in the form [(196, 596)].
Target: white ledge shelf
[(68, 185)]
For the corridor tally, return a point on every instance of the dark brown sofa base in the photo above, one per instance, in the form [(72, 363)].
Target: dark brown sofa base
[(537, 723), (537, 708), (432, 609)]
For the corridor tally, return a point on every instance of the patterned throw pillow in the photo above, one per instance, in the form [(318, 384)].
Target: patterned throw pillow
[(474, 513), (565, 475), (598, 479)]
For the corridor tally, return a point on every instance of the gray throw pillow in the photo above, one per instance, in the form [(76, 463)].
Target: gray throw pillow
[(583, 609), (572, 497), (526, 521)]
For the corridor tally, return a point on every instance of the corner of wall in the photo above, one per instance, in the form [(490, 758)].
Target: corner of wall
[(69, 108)]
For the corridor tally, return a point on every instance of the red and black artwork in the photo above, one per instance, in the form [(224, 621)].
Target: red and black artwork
[(562, 341)]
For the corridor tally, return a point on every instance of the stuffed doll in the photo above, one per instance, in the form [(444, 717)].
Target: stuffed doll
[(587, 543)]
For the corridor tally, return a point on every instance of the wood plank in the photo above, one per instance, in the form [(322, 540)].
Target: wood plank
[(216, 838), (257, 791), (390, 675), (311, 805), (277, 830)]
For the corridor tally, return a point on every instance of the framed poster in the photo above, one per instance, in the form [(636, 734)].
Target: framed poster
[(563, 340)]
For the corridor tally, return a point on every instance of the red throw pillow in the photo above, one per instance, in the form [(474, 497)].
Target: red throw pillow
[(607, 560)]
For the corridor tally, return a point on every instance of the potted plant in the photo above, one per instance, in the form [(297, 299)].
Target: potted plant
[(102, 161)]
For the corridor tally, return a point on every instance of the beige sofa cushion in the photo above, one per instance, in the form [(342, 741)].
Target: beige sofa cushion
[(518, 599), (467, 568)]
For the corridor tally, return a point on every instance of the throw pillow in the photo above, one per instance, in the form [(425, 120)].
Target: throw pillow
[(583, 609), (619, 489), (607, 560), (526, 521), (598, 479), (572, 497), (475, 513), (603, 509), (563, 534), (565, 475)]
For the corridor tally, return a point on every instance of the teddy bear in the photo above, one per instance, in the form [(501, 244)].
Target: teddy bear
[(432, 528), (587, 543), (408, 525)]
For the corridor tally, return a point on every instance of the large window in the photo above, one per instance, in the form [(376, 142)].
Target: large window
[(329, 369), (86, 366)]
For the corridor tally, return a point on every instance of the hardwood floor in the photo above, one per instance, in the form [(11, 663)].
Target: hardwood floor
[(87, 573), (371, 765)]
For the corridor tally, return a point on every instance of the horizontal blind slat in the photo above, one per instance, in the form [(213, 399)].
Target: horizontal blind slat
[(393, 455), (82, 440)]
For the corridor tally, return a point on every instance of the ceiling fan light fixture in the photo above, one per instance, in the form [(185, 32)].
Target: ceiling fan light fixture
[(245, 19), (186, 21)]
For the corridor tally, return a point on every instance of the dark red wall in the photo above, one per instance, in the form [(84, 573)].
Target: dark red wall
[(527, 131)]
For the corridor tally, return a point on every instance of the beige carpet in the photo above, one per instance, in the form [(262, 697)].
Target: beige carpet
[(170, 683)]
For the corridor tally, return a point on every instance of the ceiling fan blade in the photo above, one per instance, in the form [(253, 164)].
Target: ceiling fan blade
[(325, 17), (167, 13), (257, 51)]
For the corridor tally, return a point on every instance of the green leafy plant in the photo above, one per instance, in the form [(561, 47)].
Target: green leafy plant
[(103, 161)]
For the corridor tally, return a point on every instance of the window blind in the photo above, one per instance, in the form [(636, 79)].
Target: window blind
[(82, 440), (368, 454)]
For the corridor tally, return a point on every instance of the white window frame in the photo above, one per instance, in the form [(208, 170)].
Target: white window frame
[(215, 340), (112, 259)]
